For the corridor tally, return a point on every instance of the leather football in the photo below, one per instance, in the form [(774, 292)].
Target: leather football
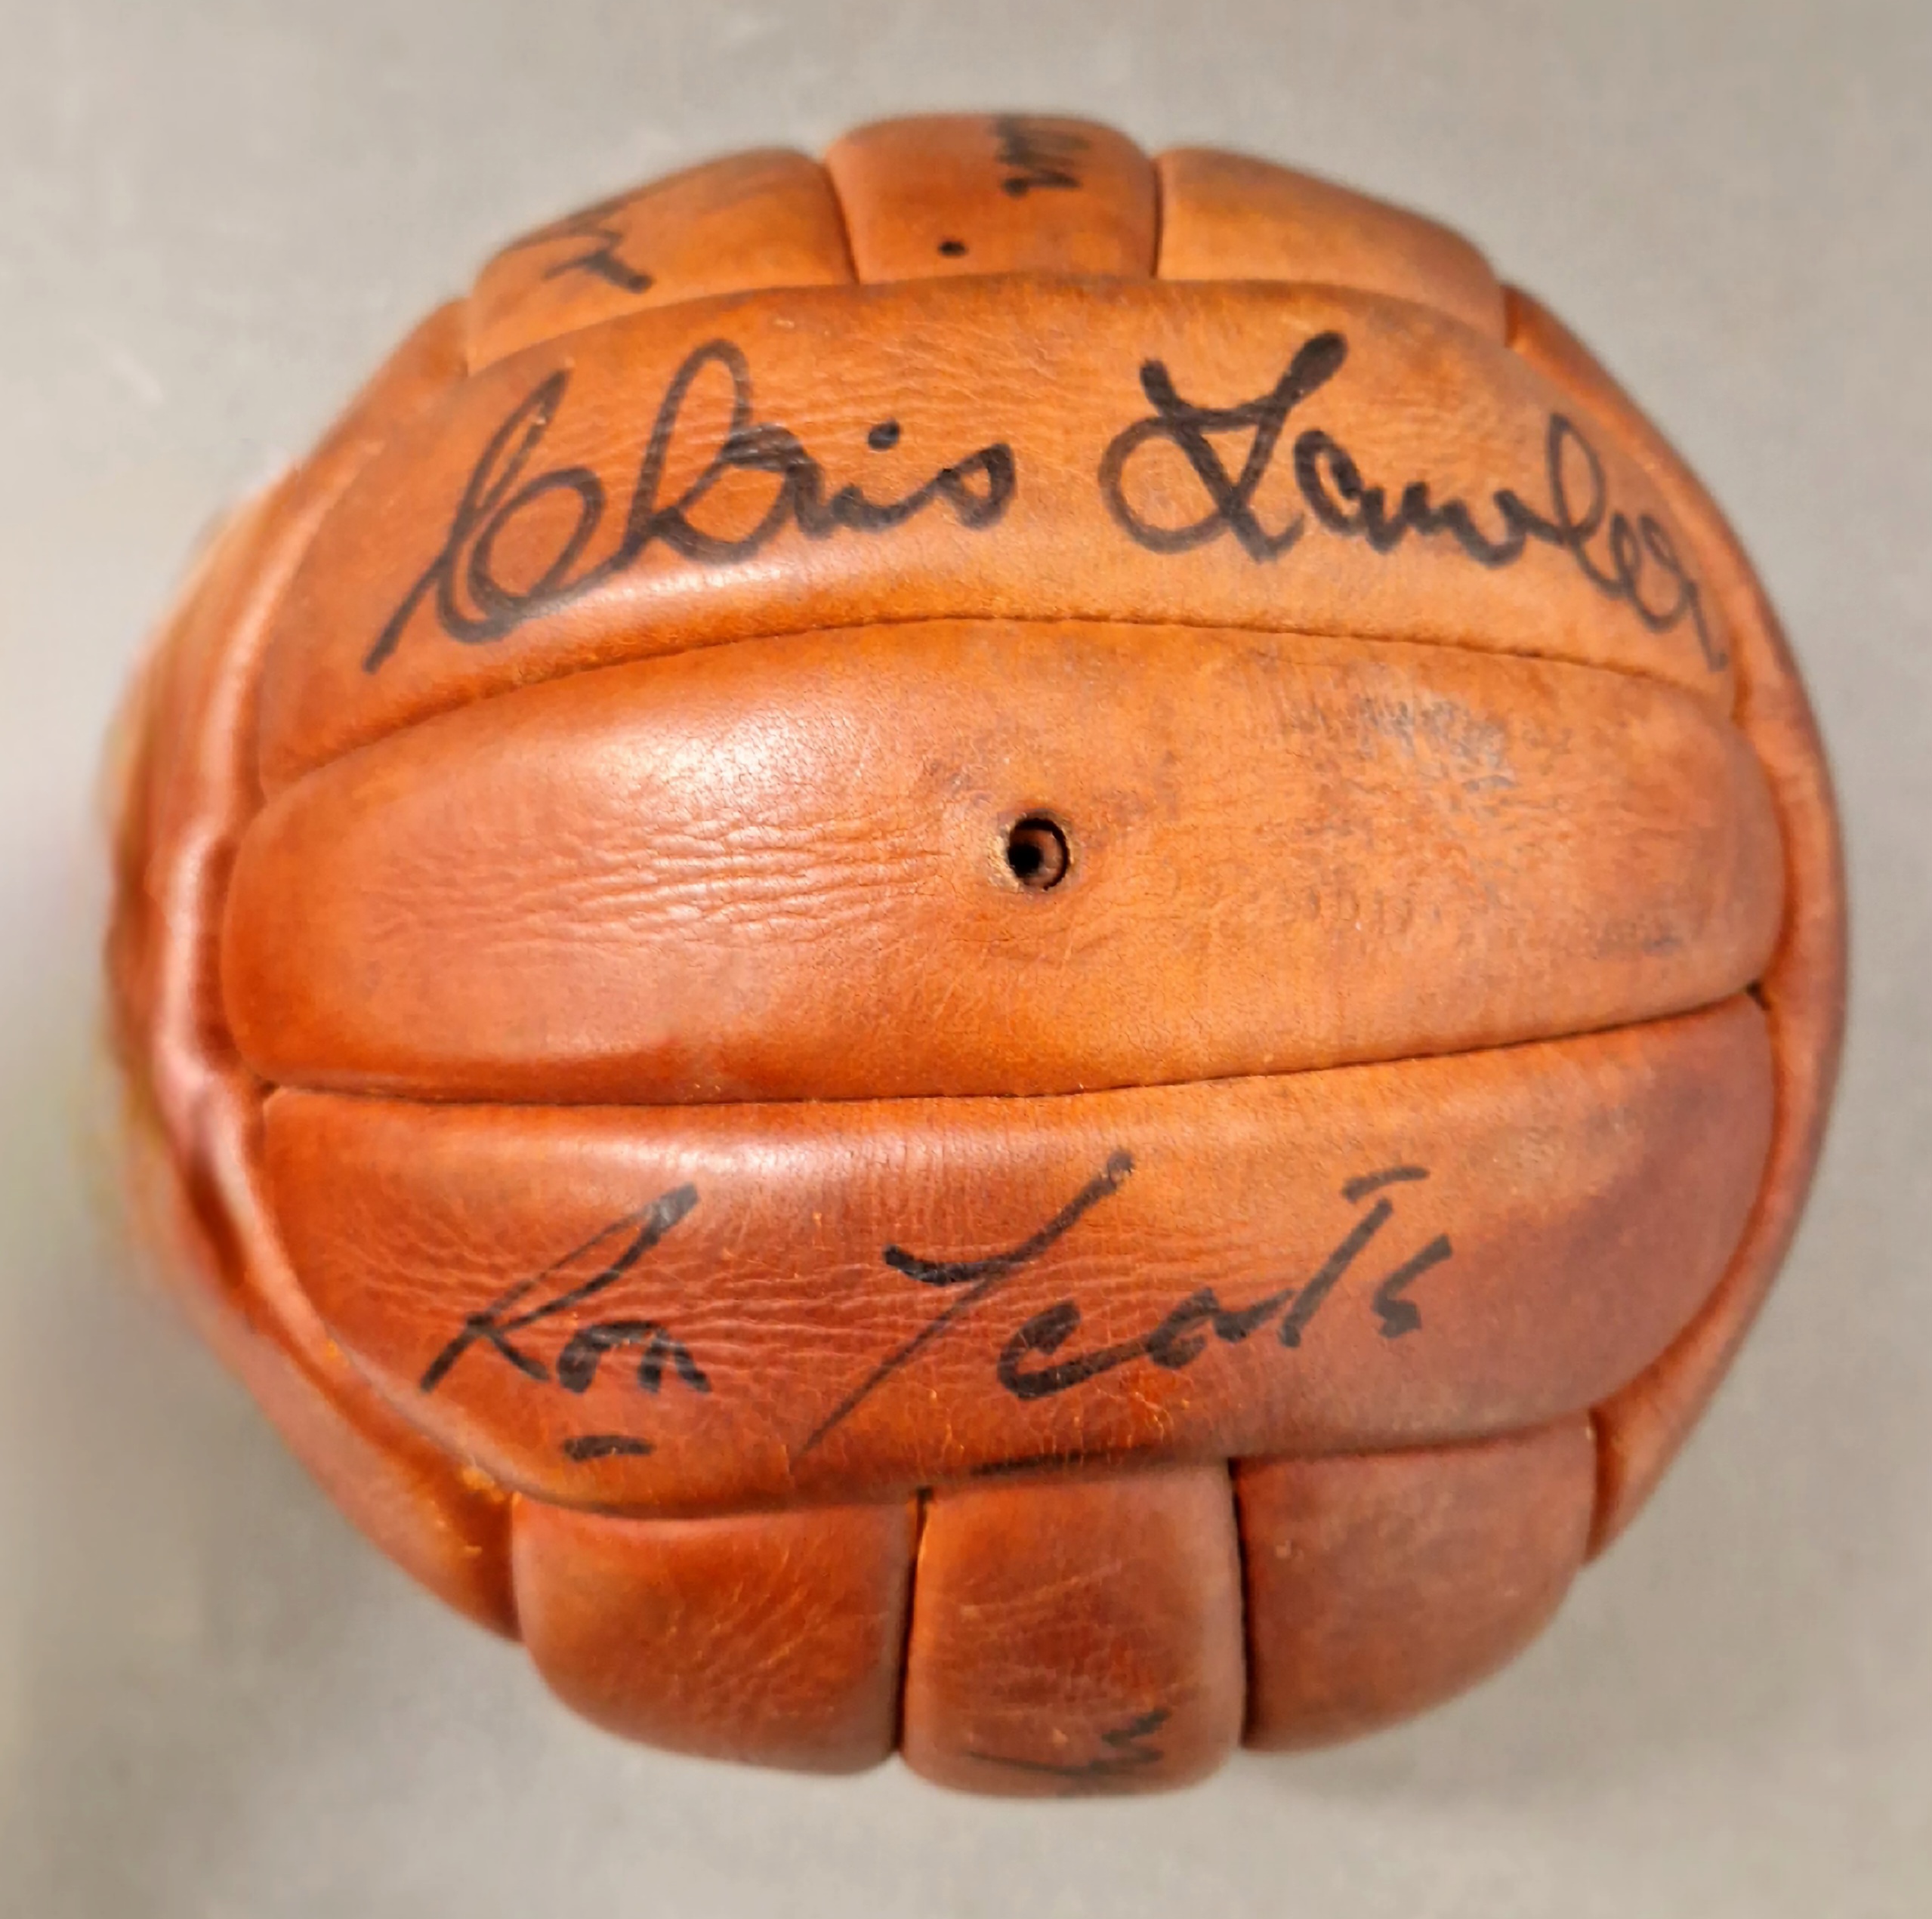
[(987, 948)]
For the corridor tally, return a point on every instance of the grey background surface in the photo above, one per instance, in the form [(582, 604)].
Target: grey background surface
[(214, 217)]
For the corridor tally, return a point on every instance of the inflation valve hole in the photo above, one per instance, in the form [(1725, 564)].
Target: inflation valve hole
[(1036, 851)]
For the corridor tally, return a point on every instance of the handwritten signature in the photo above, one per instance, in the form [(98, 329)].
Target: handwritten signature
[(1178, 1339), (475, 606), (601, 259), (1632, 561), (494, 1327), (1634, 555), (1181, 1337), (1175, 1341), (1129, 1749), (1041, 155)]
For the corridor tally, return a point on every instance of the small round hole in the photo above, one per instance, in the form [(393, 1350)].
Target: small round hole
[(952, 249), (1036, 852), (883, 437)]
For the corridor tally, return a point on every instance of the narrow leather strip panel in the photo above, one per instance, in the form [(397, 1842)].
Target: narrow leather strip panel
[(189, 788), (692, 1309), (1380, 1583), (952, 193), (996, 447), (756, 219), (779, 870), (1076, 1637), (1224, 217), (178, 805), (1803, 988), (771, 1638)]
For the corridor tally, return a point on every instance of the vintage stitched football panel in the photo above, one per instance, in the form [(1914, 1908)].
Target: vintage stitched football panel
[(1349, 851), (1076, 1636), (769, 1636), (755, 220), (940, 195), (839, 456), (188, 786), (1381, 1583), (870, 1296), (1224, 217), (1349, 466)]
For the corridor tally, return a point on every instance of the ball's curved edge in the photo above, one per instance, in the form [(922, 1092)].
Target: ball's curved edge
[(1640, 1428), (182, 785), (1213, 1624)]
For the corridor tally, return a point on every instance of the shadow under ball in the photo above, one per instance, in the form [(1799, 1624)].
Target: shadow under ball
[(988, 948)]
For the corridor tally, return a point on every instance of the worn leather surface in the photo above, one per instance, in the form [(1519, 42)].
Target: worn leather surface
[(1350, 850), (1574, 1202), (508, 540), (774, 1638), (696, 1196), (1071, 1638), (756, 219), (954, 194), (1341, 1548), (1226, 216)]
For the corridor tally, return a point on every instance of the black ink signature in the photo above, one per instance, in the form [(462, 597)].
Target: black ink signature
[(601, 261), (980, 1278), (1175, 1342), (1129, 1749), (1333, 489), (1040, 154), (1179, 1339), (584, 1446), (577, 1364), (473, 606)]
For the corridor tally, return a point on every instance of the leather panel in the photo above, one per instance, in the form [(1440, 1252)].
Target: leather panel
[(1382, 1583), (1286, 458), (765, 219), (1225, 217), (695, 1308), (1804, 986), (780, 870), (773, 1639), (943, 194), (1076, 1638)]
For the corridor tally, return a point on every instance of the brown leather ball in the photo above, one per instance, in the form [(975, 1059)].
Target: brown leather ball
[(990, 947)]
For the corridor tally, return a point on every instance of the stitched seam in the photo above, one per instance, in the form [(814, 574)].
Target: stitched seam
[(460, 700), (493, 1102)]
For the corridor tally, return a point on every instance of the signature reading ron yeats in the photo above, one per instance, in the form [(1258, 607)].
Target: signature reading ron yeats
[(1175, 1341), (1635, 562), (475, 605), (495, 1328)]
